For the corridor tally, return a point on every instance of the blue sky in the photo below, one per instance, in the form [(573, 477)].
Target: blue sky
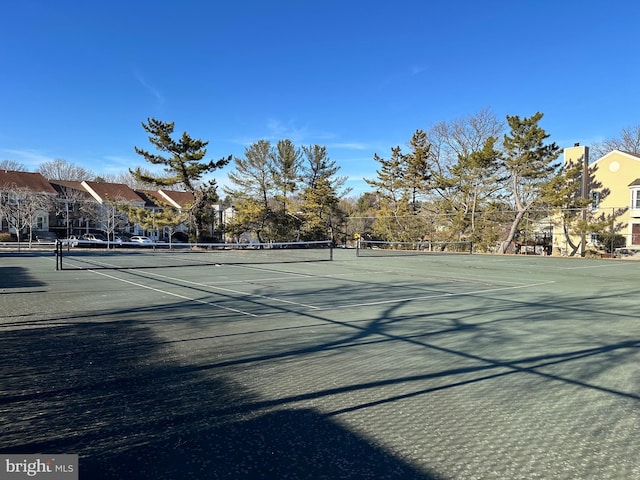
[(78, 77)]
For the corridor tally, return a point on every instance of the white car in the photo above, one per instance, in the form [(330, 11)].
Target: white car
[(72, 241), (141, 239)]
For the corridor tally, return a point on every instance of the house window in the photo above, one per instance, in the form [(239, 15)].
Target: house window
[(635, 234), (635, 198), (40, 223), (595, 200)]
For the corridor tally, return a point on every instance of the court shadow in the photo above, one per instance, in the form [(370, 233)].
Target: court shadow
[(110, 393), (289, 444), (17, 277)]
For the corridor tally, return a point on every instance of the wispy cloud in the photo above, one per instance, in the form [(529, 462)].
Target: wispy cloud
[(275, 130), (151, 89), (278, 130), (116, 163), (30, 158), (349, 145)]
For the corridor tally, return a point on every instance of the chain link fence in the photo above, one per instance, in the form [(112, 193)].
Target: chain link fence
[(577, 232)]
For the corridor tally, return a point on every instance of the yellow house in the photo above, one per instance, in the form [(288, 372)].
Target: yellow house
[(612, 183)]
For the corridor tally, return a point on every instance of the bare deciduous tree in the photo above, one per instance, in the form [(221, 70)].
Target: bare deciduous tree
[(12, 165), (628, 141), (20, 206), (460, 137), (60, 169)]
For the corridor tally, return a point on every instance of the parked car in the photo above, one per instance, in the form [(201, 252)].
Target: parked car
[(72, 241), (93, 240), (141, 239), (46, 237), (120, 239)]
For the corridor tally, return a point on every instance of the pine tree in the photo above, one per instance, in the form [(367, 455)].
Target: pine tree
[(529, 165), (417, 171), (394, 198), (184, 165), (469, 185), (285, 170), (253, 190), (320, 202)]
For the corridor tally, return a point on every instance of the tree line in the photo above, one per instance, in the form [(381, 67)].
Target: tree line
[(453, 173)]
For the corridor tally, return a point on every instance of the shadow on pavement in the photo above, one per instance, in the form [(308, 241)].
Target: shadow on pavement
[(108, 392), (17, 277)]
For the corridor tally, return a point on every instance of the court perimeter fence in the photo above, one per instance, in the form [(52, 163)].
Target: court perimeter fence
[(376, 248), (569, 232)]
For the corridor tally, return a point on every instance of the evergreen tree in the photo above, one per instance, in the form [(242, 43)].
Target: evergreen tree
[(417, 171), (579, 220), (402, 182), (184, 165), (253, 191), (320, 202), (285, 170), (469, 185), (529, 166), (394, 203)]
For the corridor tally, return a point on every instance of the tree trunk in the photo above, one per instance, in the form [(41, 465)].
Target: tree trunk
[(513, 230), (574, 247)]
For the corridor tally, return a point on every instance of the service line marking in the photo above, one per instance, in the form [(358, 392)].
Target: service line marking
[(183, 297), (229, 290)]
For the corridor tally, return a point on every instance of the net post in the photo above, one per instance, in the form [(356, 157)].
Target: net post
[(58, 254), (358, 247), (330, 250), (471, 247)]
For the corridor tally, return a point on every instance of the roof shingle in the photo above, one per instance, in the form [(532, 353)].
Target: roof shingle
[(30, 180)]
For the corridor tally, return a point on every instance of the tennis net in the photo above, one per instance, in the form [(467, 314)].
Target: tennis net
[(127, 255), (376, 248)]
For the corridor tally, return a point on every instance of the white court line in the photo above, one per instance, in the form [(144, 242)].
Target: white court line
[(236, 292), (287, 277), (618, 265), (441, 295), (183, 297), (229, 290), (314, 307)]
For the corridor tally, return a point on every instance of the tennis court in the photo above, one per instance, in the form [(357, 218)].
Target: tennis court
[(426, 366)]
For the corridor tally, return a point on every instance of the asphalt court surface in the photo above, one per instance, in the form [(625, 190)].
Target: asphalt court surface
[(422, 366)]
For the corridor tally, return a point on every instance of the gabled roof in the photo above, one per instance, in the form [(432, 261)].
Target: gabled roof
[(635, 183), (112, 191), (29, 180), (177, 199), (632, 156), (150, 197), (70, 186)]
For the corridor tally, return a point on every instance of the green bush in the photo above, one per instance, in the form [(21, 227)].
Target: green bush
[(610, 241)]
